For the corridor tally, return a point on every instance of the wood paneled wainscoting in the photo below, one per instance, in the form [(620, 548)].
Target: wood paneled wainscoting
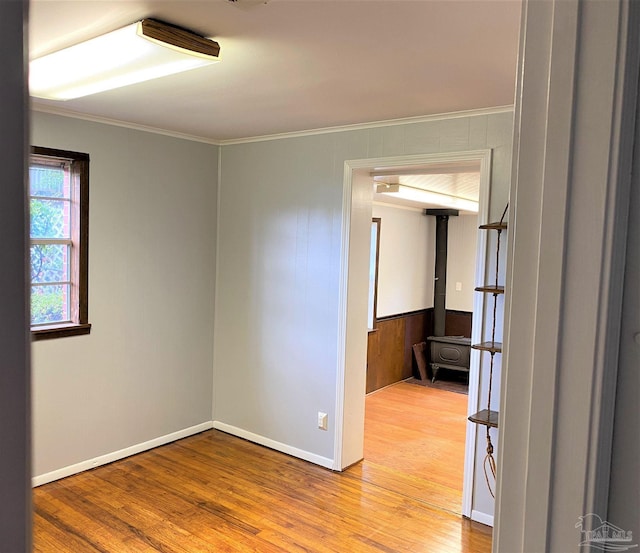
[(389, 353)]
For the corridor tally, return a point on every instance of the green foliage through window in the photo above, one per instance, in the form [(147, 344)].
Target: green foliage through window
[(50, 207), (48, 304)]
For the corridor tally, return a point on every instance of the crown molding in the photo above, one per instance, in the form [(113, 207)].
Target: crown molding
[(372, 124), (44, 108)]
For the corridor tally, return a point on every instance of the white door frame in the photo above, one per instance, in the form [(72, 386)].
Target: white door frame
[(352, 327)]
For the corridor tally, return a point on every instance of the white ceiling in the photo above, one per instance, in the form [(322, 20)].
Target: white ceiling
[(460, 180), (293, 65), (460, 185)]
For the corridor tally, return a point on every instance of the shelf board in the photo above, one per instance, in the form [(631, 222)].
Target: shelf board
[(491, 289), (485, 417), (493, 347), (494, 226)]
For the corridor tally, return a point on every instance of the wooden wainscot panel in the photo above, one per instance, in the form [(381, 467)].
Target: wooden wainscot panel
[(390, 354), (458, 323), (386, 357), (417, 327), (373, 359)]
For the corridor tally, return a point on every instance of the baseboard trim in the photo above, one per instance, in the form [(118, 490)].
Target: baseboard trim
[(117, 455), (272, 444), (482, 518)]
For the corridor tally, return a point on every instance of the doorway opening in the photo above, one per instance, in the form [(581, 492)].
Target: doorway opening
[(359, 204)]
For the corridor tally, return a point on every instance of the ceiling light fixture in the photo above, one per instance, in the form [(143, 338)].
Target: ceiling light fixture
[(419, 195), (145, 50)]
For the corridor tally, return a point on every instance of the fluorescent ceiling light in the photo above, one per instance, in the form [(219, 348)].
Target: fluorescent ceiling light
[(139, 52), (426, 197)]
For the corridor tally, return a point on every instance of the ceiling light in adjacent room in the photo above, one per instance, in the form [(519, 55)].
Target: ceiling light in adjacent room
[(145, 50)]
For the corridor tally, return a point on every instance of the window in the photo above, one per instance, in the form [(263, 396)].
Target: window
[(374, 256), (59, 232)]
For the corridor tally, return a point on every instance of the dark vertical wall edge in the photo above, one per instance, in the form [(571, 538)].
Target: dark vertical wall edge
[(15, 372)]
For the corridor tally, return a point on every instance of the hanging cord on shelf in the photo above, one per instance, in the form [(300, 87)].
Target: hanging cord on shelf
[(489, 460), (504, 212)]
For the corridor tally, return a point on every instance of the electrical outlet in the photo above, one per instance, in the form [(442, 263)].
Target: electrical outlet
[(458, 286), (322, 420)]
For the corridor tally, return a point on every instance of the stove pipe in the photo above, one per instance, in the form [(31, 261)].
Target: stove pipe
[(440, 286)]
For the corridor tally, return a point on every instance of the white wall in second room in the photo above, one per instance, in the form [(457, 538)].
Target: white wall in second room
[(461, 262), (406, 263)]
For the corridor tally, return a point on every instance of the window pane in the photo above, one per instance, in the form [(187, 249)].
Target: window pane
[(50, 263), (50, 219), (48, 181), (50, 304)]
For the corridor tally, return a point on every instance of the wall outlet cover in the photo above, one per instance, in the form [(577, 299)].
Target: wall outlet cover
[(322, 420)]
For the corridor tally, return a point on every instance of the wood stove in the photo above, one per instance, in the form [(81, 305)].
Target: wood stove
[(449, 352)]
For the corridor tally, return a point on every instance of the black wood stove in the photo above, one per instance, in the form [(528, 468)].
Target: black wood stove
[(449, 352)]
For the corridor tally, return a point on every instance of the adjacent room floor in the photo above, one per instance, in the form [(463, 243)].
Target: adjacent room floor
[(414, 443)]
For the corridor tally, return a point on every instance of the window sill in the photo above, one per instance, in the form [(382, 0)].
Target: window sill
[(59, 331)]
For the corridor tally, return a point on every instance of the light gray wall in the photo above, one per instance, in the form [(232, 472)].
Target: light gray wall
[(279, 230), (278, 268), (406, 265), (145, 370), (461, 261), (406, 260), (15, 461)]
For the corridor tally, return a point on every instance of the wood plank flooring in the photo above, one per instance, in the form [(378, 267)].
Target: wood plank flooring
[(414, 443), (216, 493)]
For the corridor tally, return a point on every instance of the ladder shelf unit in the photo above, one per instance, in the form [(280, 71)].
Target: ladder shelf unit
[(488, 417)]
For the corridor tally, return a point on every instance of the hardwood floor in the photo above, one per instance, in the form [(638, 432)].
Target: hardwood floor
[(216, 493), (414, 443)]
